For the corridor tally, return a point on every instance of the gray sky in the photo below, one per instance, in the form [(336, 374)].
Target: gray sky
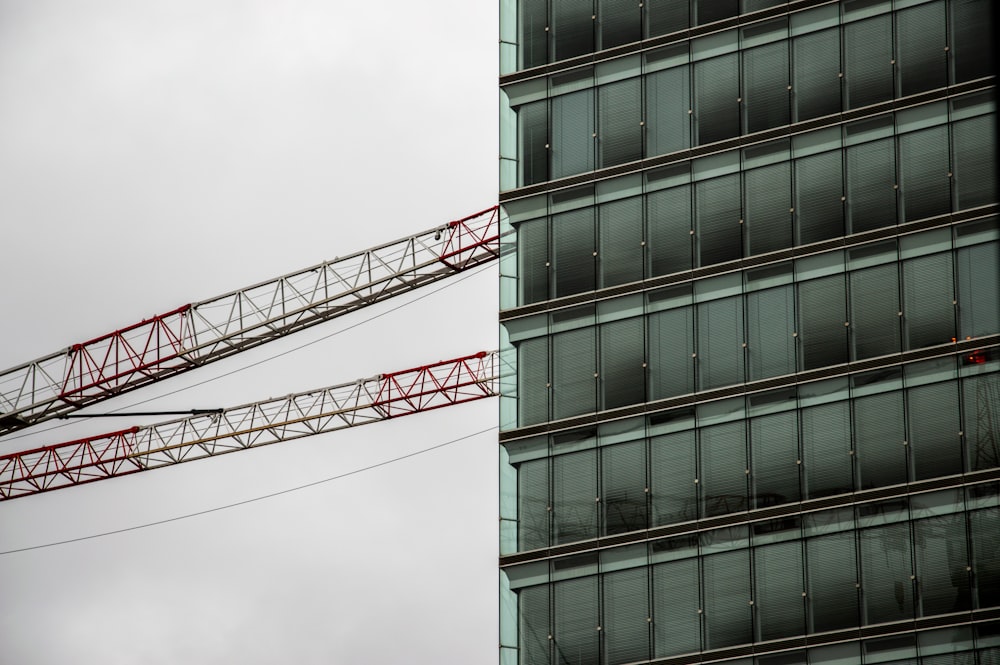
[(158, 153)]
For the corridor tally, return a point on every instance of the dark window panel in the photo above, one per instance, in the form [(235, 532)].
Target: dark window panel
[(532, 504), (671, 343), (878, 439), (728, 619), (720, 343), (921, 58), (707, 11), (774, 450), (768, 195), (532, 129), (666, 16), (928, 294), (533, 610), (626, 616), (672, 474), (623, 488), (973, 32), (770, 325), (832, 578), (575, 636), (572, 28), (717, 111), (573, 249), (619, 22), (623, 354), (985, 525), (981, 413), (676, 619), (871, 180), (574, 360), (868, 58), (875, 319), (826, 444), (822, 333), (532, 259), (621, 255), (979, 290), (819, 197), (722, 479), (935, 445), (975, 161), (532, 381), (573, 129), (574, 490), (718, 209), (668, 102), (779, 585), (669, 220), (886, 567), (924, 173), (748, 6), (765, 86), (619, 114), (941, 558), (533, 36), (816, 68)]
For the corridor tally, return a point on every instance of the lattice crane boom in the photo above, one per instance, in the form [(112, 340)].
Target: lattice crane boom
[(197, 334), (251, 425)]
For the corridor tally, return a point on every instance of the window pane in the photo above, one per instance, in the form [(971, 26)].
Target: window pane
[(765, 86), (774, 446), (779, 585), (826, 442), (572, 27), (619, 22), (875, 311), (574, 490), (924, 169), (871, 180), (671, 343), (816, 90), (621, 255), (822, 332), (921, 58), (622, 375), (619, 132), (879, 436), (532, 381), (723, 478), (973, 33), (935, 444), (532, 258), (819, 192), (573, 247), (717, 113), (574, 360), (533, 502), (885, 573), (573, 131), (533, 609), (670, 240), (626, 613), (668, 100), (941, 559), (720, 234), (532, 19), (623, 487), (769, 208), (676, 621), (981, 401), (975, 161), (575, 638), (770, 324), (727, 599), (672, 475), (868, 61), (715, 10), (720, 343), (929, 315), (833, 596), (666, 16), (979, 290), (984, 525), (532, 130)]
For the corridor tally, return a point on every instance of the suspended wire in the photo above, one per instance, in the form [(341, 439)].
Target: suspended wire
[(448, 283), (251, 500)]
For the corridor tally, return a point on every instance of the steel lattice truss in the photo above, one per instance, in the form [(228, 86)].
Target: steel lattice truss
[(249, 426), (199, 333)]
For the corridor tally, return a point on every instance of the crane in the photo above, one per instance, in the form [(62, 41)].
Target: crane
[(197, 334)]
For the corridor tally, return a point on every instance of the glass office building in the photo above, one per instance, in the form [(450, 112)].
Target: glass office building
[(750, 331)]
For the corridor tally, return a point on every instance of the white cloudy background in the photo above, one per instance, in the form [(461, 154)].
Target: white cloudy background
[(154, 153)]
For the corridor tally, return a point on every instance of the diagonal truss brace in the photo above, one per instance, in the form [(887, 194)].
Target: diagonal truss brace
[(199, 333), (253, 425)]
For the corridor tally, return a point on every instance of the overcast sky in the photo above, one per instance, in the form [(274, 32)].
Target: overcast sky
[(158, 153)]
